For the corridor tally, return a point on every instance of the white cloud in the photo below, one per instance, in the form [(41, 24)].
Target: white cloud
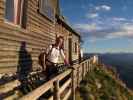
[(95, 31), (106, 7), (92, 15), (125, 31), (119, 19), (103, 7), (94, 39), (87, 27), (93, 11)]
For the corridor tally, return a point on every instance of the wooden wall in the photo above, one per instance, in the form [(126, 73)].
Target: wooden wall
[(1, 10), (62, 31), (75, 39), (38, 33)]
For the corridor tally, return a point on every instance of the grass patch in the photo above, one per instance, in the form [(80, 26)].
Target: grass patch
[(100, 85)]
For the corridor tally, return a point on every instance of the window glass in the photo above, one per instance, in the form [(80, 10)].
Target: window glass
[(9, 13), (75, 47), (14, 11), (45, 8)]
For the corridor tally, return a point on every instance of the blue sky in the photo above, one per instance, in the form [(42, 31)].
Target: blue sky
[(105, 25)]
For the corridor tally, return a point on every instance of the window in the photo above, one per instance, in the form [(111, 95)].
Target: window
[(75, 47), (14, 11), (65, 43), (45, 8)]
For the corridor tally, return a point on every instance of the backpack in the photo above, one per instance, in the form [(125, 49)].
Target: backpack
[(42, 57), (41, 60)]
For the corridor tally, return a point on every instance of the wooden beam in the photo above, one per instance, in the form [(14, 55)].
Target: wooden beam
[(9, 86), (65, 85), (56, 90), (73, 85), (67, 95), (35, 94)]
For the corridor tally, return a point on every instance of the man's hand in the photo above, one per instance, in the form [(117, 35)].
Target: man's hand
[(69, 67)]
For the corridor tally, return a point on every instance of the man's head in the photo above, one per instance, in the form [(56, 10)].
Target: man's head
[(60, 41)]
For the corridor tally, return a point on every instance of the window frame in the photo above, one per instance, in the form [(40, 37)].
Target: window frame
[(17, 13), (75, 48), (48, 5)]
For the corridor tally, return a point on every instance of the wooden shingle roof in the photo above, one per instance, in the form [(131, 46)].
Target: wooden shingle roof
[(61, 19)]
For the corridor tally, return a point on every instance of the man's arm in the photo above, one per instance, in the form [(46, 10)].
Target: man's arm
[(64, 57), (48, 49), (66, 61)]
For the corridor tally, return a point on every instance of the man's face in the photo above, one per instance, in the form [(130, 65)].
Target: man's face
[(61, 41)]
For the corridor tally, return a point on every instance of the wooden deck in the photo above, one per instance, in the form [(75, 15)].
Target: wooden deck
[(68, 86), (60, 87)]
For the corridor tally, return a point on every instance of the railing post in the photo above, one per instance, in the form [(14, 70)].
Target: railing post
[(89, 66), (79, 73), (78, 76), (86, 67), (73, 85), (82, 65), (56, 90)]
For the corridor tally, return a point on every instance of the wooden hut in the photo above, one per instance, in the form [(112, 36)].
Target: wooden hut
[(72, 39), (27, 27)]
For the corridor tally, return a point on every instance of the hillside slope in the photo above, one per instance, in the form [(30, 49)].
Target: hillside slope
[(122, 62), (103, 84)]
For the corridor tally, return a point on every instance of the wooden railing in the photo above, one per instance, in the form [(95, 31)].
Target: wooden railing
[(62, 86)]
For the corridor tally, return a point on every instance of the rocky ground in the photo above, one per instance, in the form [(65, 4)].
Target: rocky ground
[(103, 84)]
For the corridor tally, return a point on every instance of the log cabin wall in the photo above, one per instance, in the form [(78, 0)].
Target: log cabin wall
[(75, 47), (22, 46), (71, 39), (38, 23), (14, 40), (1, 10), (66, 44), (61, 30)]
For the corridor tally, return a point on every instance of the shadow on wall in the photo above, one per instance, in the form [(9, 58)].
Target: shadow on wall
[(24, 63)]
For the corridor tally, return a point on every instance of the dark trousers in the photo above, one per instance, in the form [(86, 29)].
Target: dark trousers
[(51, 71)]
